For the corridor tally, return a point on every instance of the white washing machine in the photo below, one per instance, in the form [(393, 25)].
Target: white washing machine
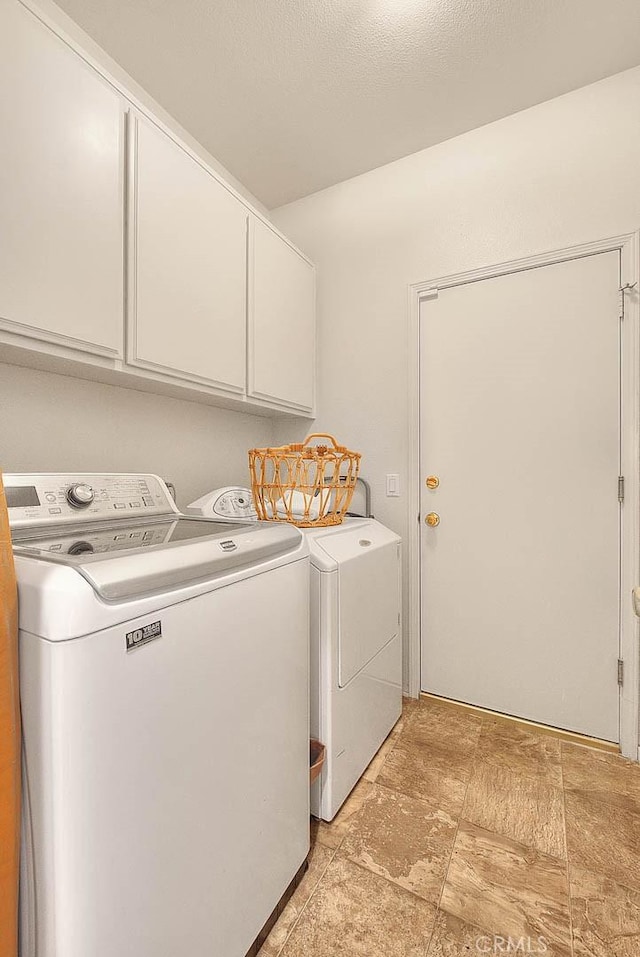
[(164, 686), (356, 642)]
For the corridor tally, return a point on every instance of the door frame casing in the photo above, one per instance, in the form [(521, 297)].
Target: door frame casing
[(628, 245)]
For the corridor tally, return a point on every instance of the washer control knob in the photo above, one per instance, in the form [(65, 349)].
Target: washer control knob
[(80, 495)]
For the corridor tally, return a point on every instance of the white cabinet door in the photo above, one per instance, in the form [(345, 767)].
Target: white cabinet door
[(61, 199), (189, 265), (281, 321)]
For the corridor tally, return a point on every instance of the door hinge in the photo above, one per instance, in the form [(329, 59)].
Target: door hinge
[(628, 287), (621, 488), (620, 672)]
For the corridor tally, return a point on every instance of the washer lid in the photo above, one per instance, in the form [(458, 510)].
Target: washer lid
[(132, 559)]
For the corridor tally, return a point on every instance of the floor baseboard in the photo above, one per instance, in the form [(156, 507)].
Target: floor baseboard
[(572, 736)]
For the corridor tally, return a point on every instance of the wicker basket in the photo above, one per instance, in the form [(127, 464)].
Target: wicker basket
[(307, 485)]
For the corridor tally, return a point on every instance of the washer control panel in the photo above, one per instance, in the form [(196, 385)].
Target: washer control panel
[(232, 502), (41, 498)]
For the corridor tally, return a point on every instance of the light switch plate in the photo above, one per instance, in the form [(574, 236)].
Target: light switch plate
[(393, 485)]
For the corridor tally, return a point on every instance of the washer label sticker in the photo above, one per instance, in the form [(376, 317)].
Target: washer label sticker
[(142, 636)]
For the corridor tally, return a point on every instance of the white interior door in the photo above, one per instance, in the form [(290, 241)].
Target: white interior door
[(520, 408)]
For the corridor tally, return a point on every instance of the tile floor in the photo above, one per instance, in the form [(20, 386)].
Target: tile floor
[(466, 831)]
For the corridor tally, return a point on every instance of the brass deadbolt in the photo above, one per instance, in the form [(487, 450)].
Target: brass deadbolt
[(432, 481), (432, 519)]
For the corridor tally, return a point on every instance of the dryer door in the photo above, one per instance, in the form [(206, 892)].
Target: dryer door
[(368, 560)]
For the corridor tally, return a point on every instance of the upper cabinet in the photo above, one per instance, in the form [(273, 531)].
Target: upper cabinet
[(61, 192), (281, 321), (188, 266), (123, 256)]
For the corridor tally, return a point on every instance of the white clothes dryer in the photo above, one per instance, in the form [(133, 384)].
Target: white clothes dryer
[(356, 645), (356, 651), (164, 687)]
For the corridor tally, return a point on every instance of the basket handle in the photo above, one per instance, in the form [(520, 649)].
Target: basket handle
[(322, 435)]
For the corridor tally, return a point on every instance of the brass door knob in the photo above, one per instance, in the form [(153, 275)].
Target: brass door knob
[(432, 519), (432, 481)]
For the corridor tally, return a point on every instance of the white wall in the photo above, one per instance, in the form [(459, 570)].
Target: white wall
[(564, 172), (51, 422)]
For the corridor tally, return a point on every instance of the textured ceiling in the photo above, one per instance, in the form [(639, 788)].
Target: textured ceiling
[(295, 95)]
